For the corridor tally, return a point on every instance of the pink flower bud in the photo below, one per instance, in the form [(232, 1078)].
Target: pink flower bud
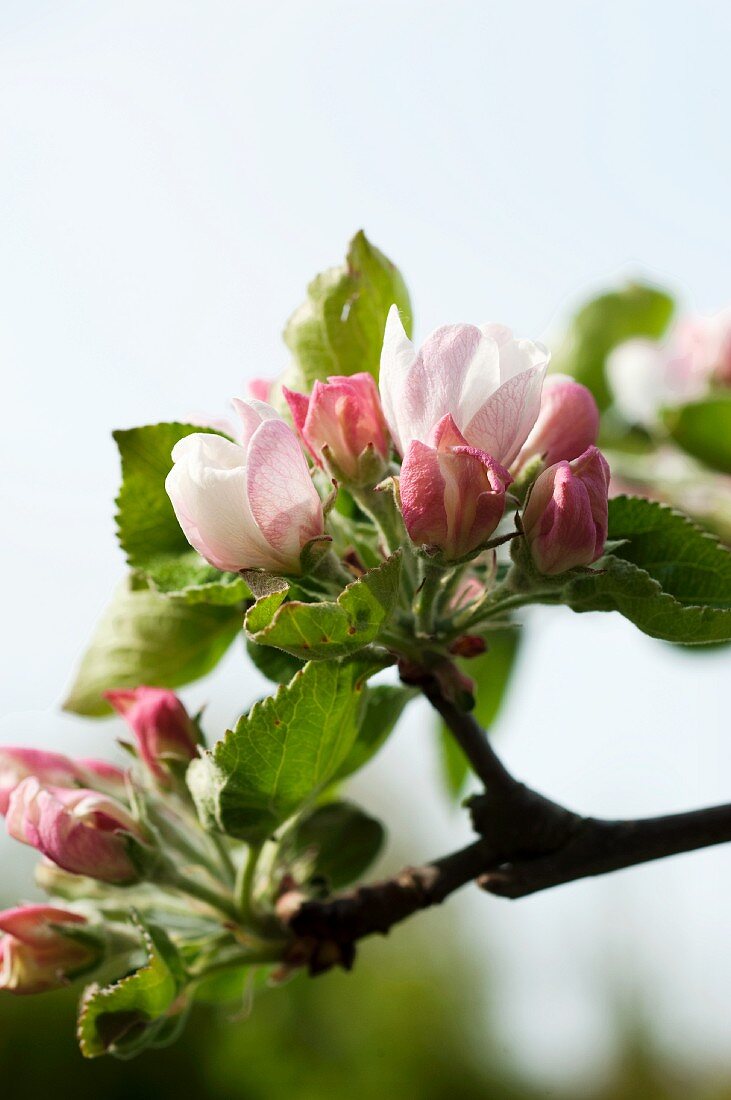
[(452, 495), (55, 769), (260, 389), (35, 955), (248, 506), (79, 830), (343, 415), (487, 381), (565, 519), (161, 725), (567, 424)]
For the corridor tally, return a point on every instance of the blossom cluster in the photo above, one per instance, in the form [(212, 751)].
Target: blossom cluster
[(467, 415), (458, 437), (83, 817)]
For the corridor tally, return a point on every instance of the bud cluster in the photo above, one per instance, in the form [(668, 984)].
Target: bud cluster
[(90, 820)]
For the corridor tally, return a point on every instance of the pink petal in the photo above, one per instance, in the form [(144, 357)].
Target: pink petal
[(283, 499)]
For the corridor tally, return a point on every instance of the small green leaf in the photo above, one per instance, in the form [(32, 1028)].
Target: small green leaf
[(604, 322), (383, 708), (148, 530), (338, 841), (492, 672), (703, 430), (145, 638), (282, 753), (138, 1010), (339, 328), (321, 631), (670, 578)]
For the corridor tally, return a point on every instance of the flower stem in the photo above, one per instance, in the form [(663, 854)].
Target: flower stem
[(198, 890), (380, 505), (244, 889), (426, 597), (227, 863)]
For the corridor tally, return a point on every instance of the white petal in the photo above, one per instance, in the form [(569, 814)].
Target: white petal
[(207, 488), (397, 356), (435, 382)]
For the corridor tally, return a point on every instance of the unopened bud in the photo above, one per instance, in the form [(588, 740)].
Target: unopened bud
[(565, 519)]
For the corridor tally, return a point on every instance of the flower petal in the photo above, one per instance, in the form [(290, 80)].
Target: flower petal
[(503, 424), (280, 493)]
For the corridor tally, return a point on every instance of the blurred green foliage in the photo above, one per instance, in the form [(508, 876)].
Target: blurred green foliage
[(403, 1023)]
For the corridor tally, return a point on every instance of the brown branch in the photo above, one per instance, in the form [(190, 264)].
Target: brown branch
[(471, 738), (527, 843), (599, 846)]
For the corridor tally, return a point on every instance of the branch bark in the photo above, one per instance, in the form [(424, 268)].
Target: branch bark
[(527, 843)]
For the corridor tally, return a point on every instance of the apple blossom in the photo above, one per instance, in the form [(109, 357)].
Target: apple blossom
[(487, 381), (705, 343), (646, 375), (79, 830), (568, 422), (342, 424), (161, 725), (35, 955), (57, 770), (250, 505), (565, 519), (452, 495)]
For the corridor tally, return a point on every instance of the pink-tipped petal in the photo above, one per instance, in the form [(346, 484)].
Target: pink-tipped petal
[(284, 502), (421, 488)]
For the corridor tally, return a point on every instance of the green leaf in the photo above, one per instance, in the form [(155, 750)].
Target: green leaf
[(282, 753), (337, 841), (689, 563), (339, 328), (383, 708), (148, 530), (145, 638), (138, 1010), (321, 631), (604, 322), (492, 672), (703, 430), (670, 578), (275, 664)]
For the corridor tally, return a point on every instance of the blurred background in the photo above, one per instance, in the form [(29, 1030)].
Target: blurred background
[(174, 173)]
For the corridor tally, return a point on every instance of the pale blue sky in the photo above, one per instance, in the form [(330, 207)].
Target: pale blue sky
[(174, 173)]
